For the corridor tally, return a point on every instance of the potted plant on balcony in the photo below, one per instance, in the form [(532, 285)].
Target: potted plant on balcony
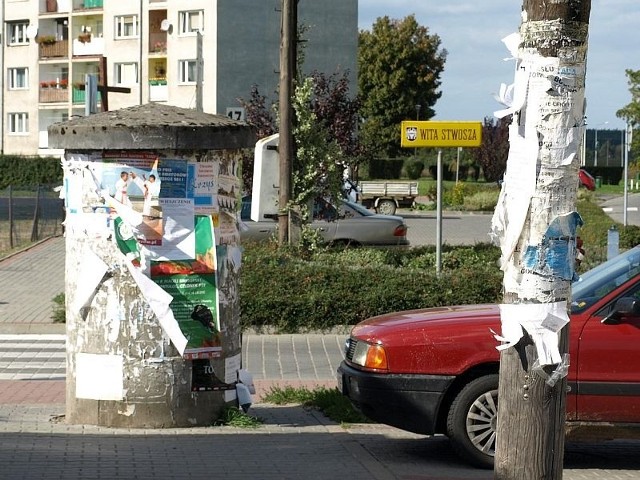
[(44, 84), (84, 37), (46, 39)]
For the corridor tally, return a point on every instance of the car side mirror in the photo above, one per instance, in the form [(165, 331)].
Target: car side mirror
[(624, 307)]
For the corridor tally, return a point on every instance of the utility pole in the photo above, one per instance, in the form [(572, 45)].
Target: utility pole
[(536, 222), (285, 146)]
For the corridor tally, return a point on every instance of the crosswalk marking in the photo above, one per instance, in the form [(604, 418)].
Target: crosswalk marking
[(33, 357)]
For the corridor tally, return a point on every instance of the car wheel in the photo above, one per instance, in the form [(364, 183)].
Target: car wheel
[(386, 207), (471, 423)]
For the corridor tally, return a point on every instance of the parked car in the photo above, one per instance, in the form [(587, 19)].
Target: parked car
[(586, 180), (348, 223), (436, 370)]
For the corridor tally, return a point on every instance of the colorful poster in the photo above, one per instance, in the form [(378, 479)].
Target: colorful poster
[(202, 186), (162, 213), (192, 284)]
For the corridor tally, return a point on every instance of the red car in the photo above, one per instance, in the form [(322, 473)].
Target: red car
[(436, 370), (586, 180)]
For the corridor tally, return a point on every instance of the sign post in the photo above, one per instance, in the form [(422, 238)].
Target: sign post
[(436, 134)]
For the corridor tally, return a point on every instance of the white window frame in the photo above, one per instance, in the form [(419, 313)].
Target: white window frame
[(190, 22), (123, 23), (122, 73), (18, 123), (184, 68), (17, 33), (14, 74)]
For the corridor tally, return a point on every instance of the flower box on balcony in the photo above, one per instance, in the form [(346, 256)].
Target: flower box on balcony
[(54, 95), (57, 49)]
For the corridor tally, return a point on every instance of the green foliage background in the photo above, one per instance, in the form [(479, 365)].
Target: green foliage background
[(21, 171)]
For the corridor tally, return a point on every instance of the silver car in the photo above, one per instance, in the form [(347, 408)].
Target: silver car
[(348, 223)]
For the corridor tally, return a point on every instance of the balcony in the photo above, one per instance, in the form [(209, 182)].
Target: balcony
[(55, 49), (56, 6), (53, 94), (87, 4), (88, 45), (79, 95), (158, 90)]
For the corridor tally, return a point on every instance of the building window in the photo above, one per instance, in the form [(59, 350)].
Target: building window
[(187, 70), (18, 78), (17, 32), (126, 73), (19, 122), (126, 26), (191, 21)]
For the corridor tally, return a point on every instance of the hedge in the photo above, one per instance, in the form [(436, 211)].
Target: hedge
[(287, 293), (21, 171)]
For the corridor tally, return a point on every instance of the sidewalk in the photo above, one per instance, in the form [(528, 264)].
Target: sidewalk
[(291, 443), (26, 308)]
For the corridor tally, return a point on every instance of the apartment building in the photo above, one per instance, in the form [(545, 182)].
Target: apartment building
[(151, 48)]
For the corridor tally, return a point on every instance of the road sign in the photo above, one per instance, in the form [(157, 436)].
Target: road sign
[(440, 134)]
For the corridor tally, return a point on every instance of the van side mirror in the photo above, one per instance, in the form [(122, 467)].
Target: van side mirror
[(624, 307)]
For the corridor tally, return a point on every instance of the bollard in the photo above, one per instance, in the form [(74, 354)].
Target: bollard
[(613, 242)]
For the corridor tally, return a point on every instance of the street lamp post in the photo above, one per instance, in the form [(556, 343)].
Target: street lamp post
[(418, 107)]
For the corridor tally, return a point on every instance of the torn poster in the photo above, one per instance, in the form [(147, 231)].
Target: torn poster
[(555, 255), (542, 321)]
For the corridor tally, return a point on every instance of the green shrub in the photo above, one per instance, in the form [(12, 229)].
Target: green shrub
[(414, 168), (482, 201), (23, 171), (283, 290)]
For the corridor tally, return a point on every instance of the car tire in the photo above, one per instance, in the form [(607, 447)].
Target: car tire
[(386, 207), (471, 422)]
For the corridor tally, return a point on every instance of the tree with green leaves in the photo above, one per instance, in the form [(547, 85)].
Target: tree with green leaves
[(631, 112), (316, 165), (492, 154), (400, 64), (333, 107)]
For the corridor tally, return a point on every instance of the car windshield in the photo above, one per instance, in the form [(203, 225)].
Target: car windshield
[(603, 279), (358, 208)]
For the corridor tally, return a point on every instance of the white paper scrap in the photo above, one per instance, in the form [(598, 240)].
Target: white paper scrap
[(542, 321), (92, 272), (99, 377)]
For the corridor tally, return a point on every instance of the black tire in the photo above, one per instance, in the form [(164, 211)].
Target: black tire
[(471, 423), (386, 207)]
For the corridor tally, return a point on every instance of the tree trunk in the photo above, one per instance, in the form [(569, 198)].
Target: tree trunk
[(285, 145), (536, 223)]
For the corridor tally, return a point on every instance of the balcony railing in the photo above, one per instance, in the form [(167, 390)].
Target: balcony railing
[(79, 96), (92, 46), (54, 95), (58, 49), (87, 4), (158, 90)]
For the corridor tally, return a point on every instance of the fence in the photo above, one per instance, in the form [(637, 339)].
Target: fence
[(29, 214)]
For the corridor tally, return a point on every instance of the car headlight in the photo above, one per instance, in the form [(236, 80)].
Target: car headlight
[(370, 356)]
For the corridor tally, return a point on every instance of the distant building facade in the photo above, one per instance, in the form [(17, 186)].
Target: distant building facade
[(150, 46)]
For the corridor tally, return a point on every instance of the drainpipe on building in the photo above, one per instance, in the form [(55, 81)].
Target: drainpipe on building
[(2, 112), (140, 97)]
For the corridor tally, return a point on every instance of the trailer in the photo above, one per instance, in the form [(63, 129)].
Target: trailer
[(387, 196)]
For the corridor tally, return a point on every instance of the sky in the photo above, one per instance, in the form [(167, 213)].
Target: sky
[(472, 31)]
